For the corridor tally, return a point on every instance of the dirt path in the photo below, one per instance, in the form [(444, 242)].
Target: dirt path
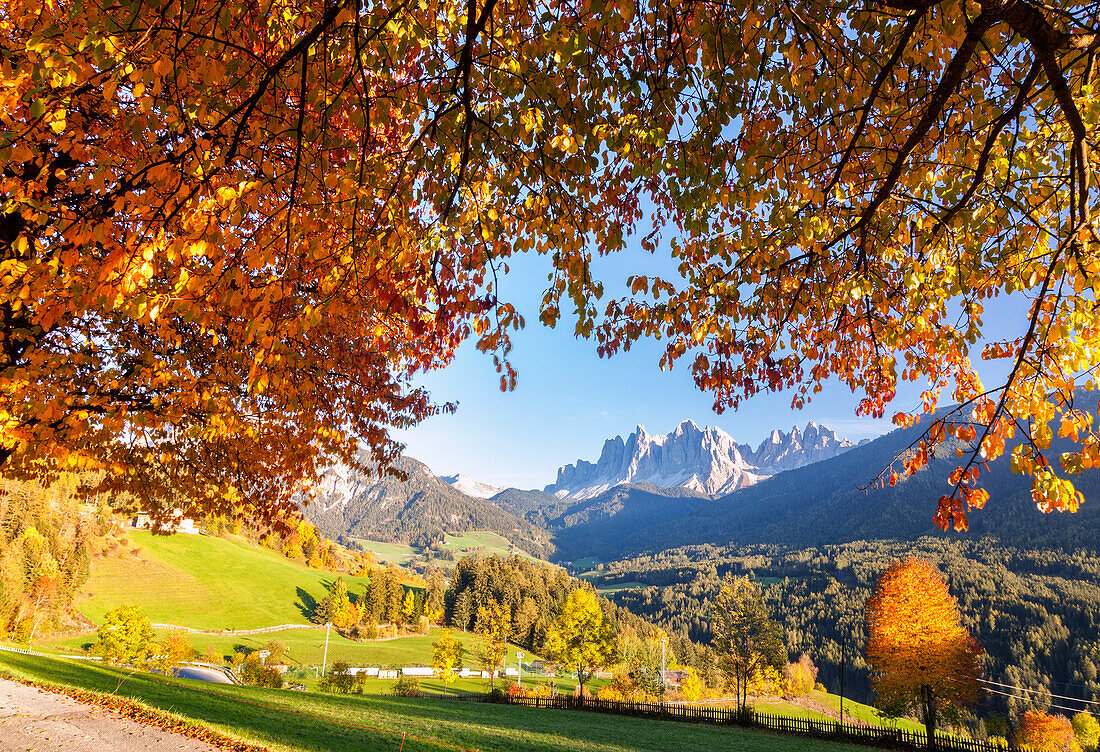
[(35, 721)]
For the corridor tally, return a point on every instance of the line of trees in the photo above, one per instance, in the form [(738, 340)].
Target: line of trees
[(389, 598)]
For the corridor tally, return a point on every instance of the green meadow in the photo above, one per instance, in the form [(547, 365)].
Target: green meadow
[(289, 721), (204, 582)]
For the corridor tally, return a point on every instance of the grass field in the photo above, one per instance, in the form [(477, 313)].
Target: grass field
[(307, 646), (585, 564), (481, 542), (617, 586), (385, 553), (204, 582), (309, 722)]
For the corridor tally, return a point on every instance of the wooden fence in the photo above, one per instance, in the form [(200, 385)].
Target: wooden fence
[(867, 735)]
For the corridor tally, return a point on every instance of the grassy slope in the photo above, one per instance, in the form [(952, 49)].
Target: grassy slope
[(306, 647), (204, 582), (276, 721), (852, 710), (480, 542), (384, 553)]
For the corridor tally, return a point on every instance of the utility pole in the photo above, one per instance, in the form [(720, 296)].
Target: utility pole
[(519, 670), (843, 645), (662, 674), (324, 661)]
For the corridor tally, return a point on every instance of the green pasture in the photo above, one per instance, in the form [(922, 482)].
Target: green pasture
[(289, 721), (386, 553), (204, 582)]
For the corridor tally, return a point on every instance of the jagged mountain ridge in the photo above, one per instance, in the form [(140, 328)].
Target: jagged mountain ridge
[(706, 460), (416, 510)]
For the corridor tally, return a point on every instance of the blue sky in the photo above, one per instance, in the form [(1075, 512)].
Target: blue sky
[(568, 400)]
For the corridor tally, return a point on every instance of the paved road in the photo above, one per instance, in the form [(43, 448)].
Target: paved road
[(202, 673), (35, 721)]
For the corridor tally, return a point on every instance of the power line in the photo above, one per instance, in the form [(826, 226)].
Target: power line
[(1017, 697), (1039, 692)]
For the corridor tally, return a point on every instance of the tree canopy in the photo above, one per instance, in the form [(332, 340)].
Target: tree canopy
[(581, 639), (746, 638), (921, 657), (233, 232)]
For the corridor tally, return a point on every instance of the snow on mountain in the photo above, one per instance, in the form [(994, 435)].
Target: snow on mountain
[(707, 460), (471, 487)]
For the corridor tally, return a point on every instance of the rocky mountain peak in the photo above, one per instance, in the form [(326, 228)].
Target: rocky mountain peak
[(707, 460)]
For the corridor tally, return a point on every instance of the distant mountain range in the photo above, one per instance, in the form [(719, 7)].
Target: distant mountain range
[(707, 460), (652, 493)]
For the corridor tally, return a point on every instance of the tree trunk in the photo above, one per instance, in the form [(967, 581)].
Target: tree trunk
[(928, 701)]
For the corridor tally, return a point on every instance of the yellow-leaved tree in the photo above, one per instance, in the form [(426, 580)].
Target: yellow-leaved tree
[(494, 620), (447, 653), (922, 659), (580, 638)]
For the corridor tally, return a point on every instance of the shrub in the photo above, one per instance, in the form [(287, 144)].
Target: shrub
[(495, 695), (406, 686), (608, 692), (255, 673), (340, 679)]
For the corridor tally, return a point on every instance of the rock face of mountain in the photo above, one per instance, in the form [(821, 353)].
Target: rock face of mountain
[(416, 510), (706, 460), (471, 487)]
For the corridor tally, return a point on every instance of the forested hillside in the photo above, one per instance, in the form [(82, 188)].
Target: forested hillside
[(47, 535), (589, 526), (416, 510), (1036, 613)]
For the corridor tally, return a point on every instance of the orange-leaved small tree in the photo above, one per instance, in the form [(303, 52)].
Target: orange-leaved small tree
[(1043, 732), (921, 657)]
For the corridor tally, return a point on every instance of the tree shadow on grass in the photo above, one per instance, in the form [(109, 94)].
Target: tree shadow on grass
[(307, 604)]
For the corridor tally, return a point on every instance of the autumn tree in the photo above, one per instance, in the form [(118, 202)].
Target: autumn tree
[(409, 608), (876, 176), (746, 638), (447, 654), (692, 686), (336, 607), (581, 638), (1043, 732), (1086, 730), (45, 533), (125, 636), (232, 238), (172, 651), (922, 659), (494, 621), (434, 603), (801, 676)]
